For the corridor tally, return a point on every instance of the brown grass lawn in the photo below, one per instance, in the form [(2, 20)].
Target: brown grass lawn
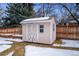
[(6, 52), (57, 41), (19, 50)]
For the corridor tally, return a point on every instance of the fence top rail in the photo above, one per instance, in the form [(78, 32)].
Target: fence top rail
[(11, 28), (67, 25)]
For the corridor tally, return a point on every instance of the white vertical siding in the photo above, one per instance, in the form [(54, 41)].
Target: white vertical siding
[(47, 37)]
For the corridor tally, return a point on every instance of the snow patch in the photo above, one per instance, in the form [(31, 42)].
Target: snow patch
[(17, 40), (40, 51), (6, 34), (18, 35), (4, 47), (11, 53), (35, 19), (69, 43), (5, 42), (11, 39)]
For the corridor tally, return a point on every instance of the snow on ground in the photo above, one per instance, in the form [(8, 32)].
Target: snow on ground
[(40, 51), (17, 40), (18, 35), (5, 42), (10, 54), (68, 43), (4, 47), (5, 34), (11, 39)]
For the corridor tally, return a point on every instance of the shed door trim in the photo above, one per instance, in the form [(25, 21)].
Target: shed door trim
[(51, 31)]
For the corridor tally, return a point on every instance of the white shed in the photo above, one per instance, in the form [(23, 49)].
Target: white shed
[(39, 30)]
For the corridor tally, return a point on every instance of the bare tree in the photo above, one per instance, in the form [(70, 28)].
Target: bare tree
[(45, 10), (70, 12), (49, 9)]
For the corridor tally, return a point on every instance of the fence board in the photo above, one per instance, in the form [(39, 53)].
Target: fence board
[(67, 32), (10, 31), (70, 31)]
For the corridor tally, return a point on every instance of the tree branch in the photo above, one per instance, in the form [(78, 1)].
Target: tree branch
[(70, 13)]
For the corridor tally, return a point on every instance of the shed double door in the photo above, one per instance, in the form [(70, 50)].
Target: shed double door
[(32, 33)]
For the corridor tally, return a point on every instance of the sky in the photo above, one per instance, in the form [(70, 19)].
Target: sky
[(3, 6)]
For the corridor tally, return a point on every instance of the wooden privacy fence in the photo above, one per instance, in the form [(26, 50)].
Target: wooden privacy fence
[(10, 30), (68, 31)]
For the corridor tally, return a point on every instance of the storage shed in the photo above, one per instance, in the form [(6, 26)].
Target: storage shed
[(39, 30)]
